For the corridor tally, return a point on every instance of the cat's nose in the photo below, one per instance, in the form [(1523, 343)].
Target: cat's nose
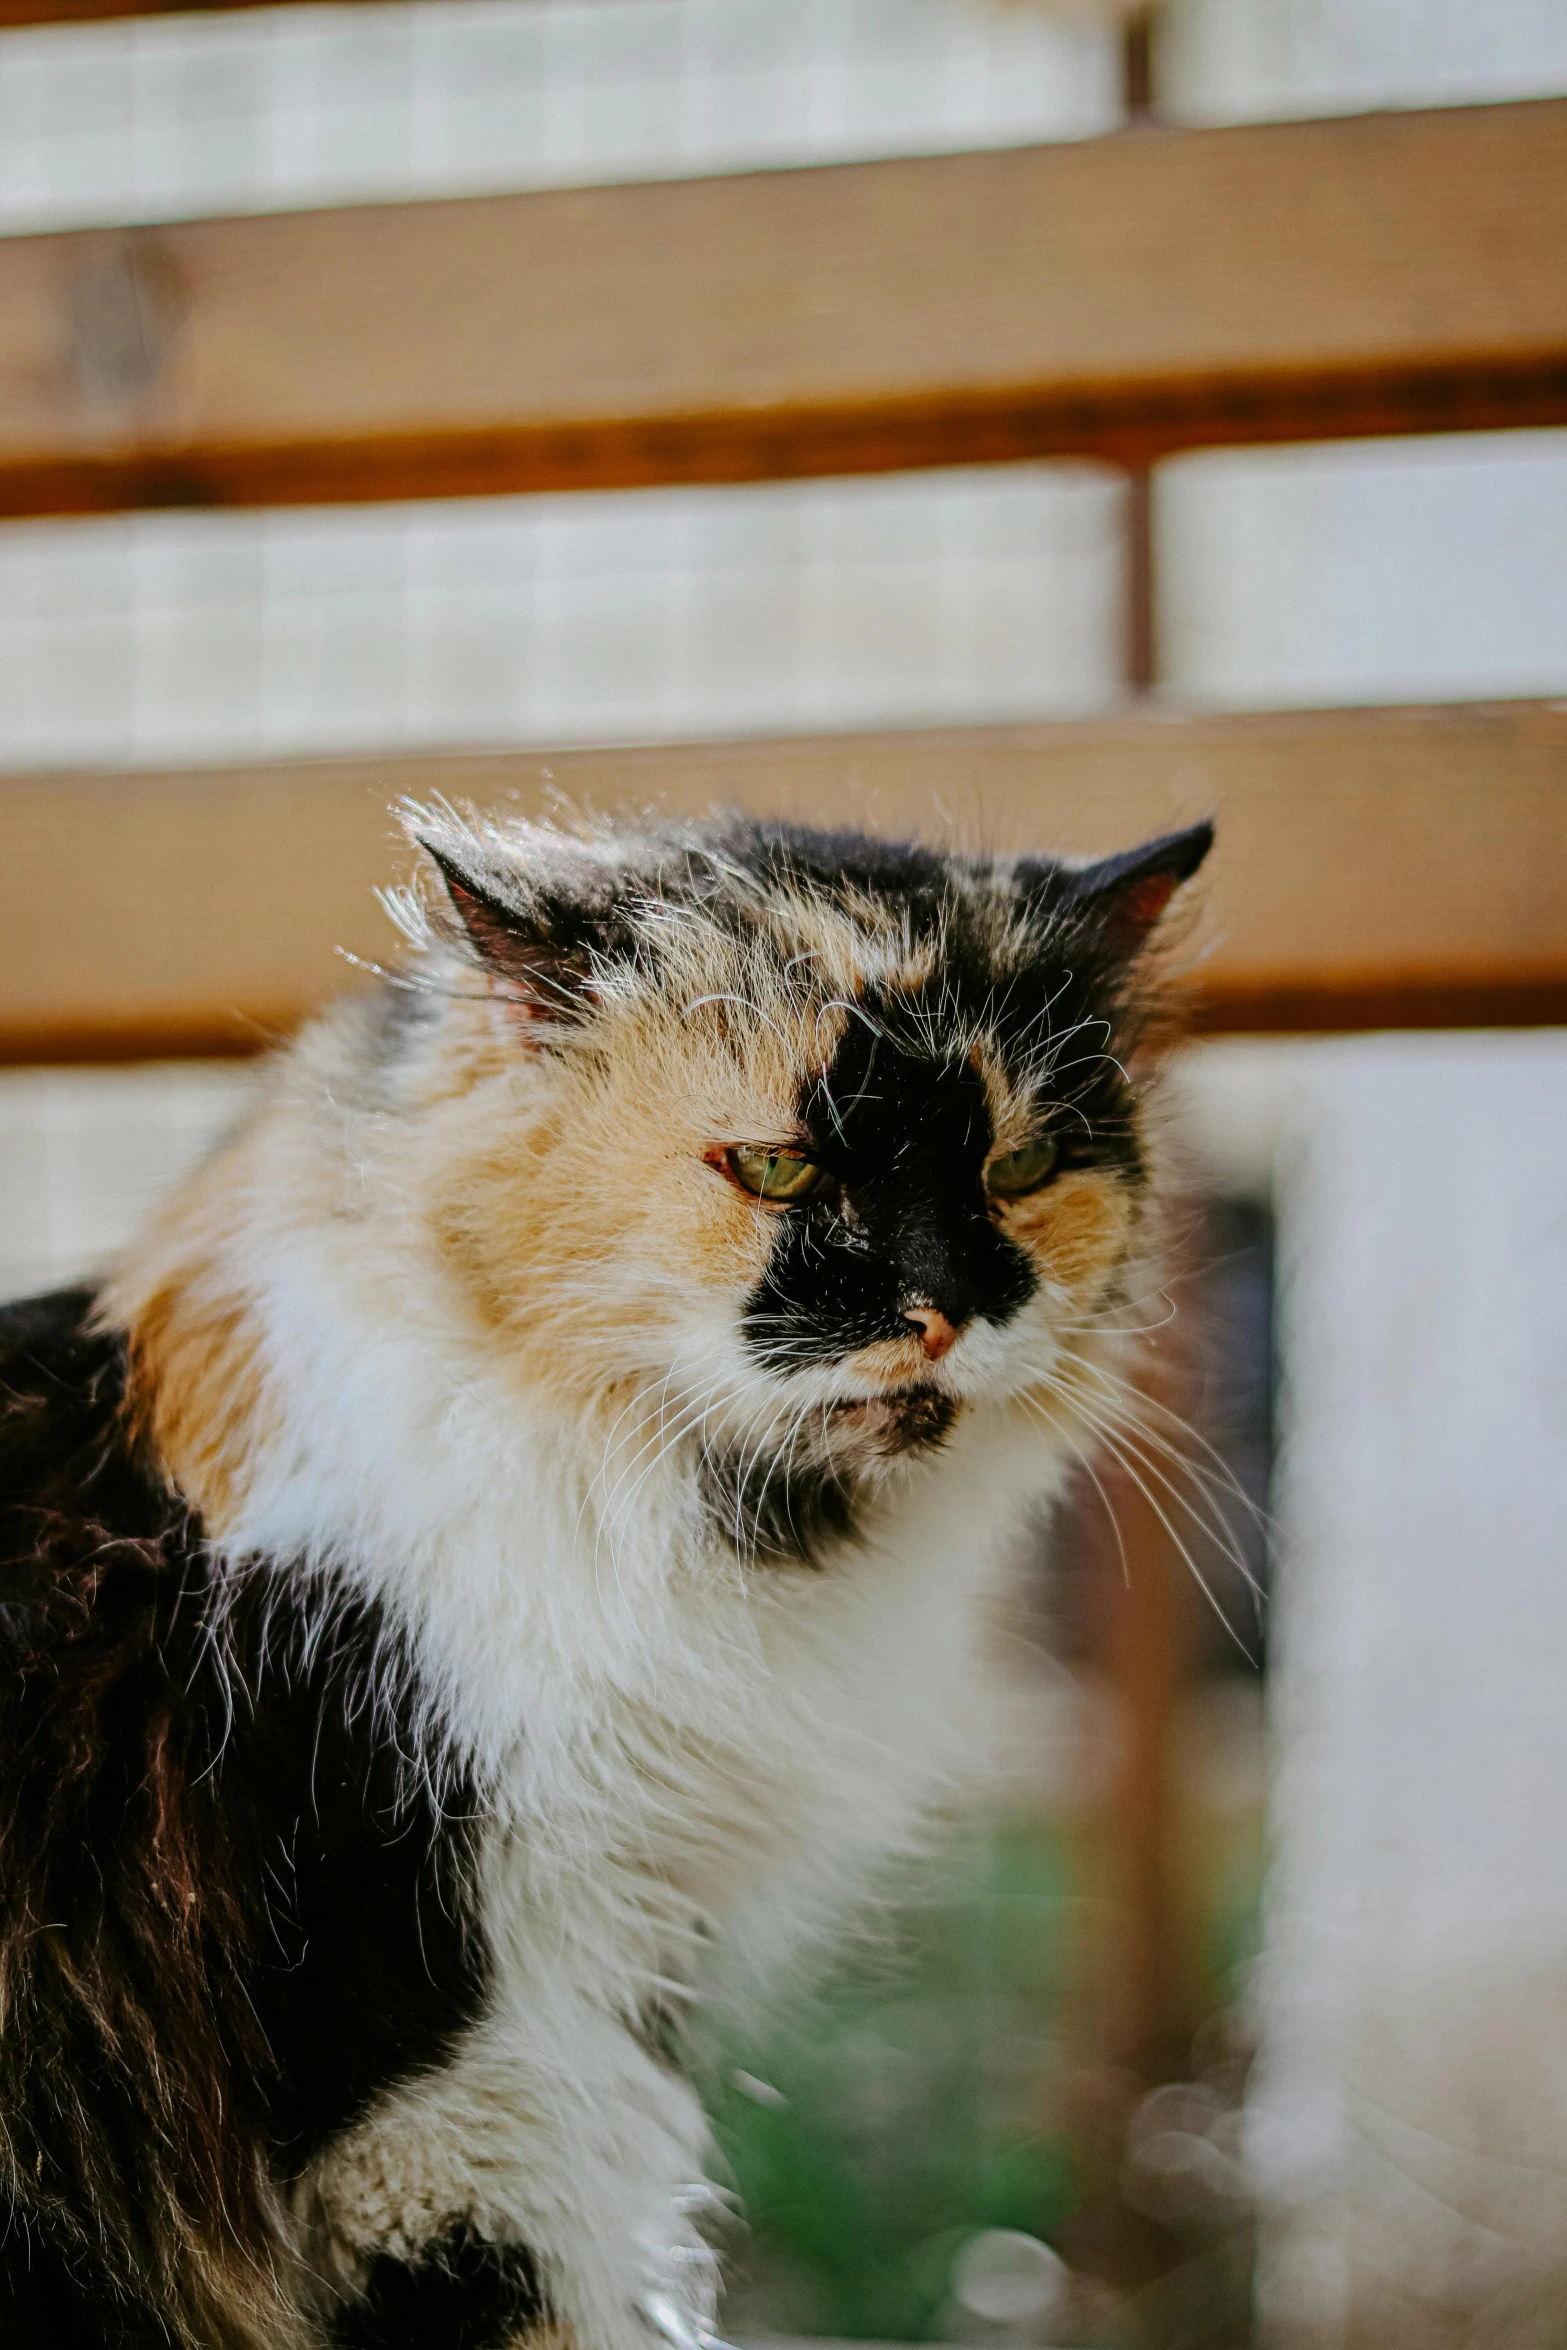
[(937, 1334)]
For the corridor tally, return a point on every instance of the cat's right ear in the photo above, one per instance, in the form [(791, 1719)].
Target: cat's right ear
[(538, 942)]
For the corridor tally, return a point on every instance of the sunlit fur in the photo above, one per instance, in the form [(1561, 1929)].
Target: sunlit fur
[(454, 1325)]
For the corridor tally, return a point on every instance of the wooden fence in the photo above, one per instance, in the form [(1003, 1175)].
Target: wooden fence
[(1121, 296)]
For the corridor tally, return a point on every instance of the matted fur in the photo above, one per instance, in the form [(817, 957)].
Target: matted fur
[(625, 1531)]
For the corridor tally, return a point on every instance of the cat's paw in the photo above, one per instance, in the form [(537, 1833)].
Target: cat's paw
[(680, 2299), (676, 2327)]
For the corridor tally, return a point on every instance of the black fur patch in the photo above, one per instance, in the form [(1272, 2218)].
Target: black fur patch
[(903, 1134), (464, 2293), (45, 2306), (1041, 964), (776, 1510), (1040, 969), (774, 1507), (1070, 977), (229, 1913), (845, 865)]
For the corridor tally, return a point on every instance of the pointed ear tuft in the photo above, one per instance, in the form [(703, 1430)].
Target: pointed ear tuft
[(491, 924), (1128, 894), (535, 942)]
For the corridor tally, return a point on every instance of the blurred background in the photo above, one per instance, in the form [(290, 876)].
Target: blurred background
[(1231, 2003)]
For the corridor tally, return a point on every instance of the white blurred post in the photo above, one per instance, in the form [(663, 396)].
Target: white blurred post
[(1409, 2123)]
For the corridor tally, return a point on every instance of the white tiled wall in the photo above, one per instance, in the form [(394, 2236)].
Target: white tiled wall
[(1247, 60), (190, 114), (1431, 569), (938, 596), (86, 1153), (1371, 571), (1427, 569), (173, 636)]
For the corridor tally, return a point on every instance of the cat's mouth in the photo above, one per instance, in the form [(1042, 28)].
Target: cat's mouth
[(900, 1419)]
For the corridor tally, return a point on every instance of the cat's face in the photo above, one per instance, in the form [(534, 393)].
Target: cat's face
[(781, 1147)]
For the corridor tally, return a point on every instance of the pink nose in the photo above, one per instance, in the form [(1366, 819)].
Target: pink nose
[(937, 1335)]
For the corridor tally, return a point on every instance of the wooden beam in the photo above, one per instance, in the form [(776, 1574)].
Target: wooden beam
[(22, 12), (1117, 297), (25, 12), (1375, 867)]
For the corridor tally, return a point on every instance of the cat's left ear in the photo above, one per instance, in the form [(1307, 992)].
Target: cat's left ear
[(1127, 895)]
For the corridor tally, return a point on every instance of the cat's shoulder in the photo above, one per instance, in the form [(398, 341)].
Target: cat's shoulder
[(62, 1380), (81, 1515)]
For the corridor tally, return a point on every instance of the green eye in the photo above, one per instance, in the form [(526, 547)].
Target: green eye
[(1023, 1171), (774, 1175)]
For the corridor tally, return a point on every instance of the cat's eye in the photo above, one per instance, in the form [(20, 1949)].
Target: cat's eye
[(780, 1177), (1021, 1172)]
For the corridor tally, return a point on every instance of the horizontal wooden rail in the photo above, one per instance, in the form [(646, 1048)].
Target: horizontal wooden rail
[(22, 12), (1116, 297), (25, 12), (1375, 867)]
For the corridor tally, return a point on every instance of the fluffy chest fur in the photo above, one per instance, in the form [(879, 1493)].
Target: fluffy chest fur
[(670, 1742), (664, 1726)]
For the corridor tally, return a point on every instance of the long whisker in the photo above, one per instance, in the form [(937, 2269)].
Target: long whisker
[(1085, 1462), (1146, 1443), (1113, 1446), (1128, 1403)]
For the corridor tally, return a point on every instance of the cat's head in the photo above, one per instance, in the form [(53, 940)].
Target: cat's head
[(783, 1146)]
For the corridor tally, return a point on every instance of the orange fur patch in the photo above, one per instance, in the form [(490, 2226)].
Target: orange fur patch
[(1077, 1229), (196, 1391), (574, 1197), (196, 1394)]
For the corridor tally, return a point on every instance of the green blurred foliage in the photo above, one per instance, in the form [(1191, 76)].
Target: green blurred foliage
[(913, 2098), (918, 2097)]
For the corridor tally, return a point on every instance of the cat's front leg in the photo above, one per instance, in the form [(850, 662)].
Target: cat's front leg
[(547, 2178), (458, 2292), (461, 2292)]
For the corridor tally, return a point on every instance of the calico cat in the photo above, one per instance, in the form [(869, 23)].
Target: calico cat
[(519, 1518)]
